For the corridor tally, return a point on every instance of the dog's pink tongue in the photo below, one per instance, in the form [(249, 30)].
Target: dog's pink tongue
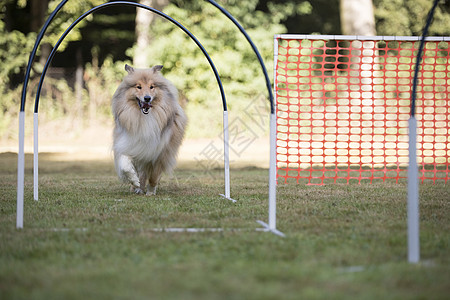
[(145, 107)]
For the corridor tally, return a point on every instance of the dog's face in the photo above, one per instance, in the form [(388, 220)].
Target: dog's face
[(143, 86)]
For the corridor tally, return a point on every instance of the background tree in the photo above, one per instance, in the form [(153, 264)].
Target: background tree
[(144, 20), (357, 17), (408, 17)]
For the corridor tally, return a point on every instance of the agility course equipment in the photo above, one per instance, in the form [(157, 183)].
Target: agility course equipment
[(413, 187), (358, 103), (346, 112), (344, 103), (20, 185), (20, 196), (272, 217)]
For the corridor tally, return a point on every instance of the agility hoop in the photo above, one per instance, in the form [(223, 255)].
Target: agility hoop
[(413, 176), (20, 193), (21, 164)]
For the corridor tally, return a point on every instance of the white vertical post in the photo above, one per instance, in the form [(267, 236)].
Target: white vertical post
[(226, 157), (35, 159), (273, 147), (272, 226), (20, 170), (413, 195), (273, 174), (226, 154)]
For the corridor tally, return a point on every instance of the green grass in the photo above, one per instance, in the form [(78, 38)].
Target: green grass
[(342, 241)]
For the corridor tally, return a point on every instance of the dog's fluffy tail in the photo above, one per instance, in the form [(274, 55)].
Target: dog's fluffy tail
[(126, 170)]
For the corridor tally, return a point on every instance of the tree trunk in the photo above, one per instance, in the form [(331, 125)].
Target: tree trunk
[(38, 14), (144, 19), (357, 17)]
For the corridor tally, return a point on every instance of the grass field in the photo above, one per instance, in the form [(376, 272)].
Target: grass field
[(89, 238)]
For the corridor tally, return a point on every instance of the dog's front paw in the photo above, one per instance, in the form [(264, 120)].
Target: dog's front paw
[(136, 190), (151, 191)]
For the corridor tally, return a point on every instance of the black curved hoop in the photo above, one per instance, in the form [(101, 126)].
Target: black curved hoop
[(125, 3), (33, 53), (261, 62), (418, 58), (63, 2)]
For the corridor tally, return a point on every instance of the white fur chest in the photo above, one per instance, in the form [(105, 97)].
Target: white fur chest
[(144, 144)]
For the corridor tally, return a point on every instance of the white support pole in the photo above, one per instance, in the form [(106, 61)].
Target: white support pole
[(272, 226), (36, 159), (20, 170), (226, 157), (273, 147), (413, 195), (273, 174), (226, 154)]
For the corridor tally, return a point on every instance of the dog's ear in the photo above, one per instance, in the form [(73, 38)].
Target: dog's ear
[(157, 68), (129, 69)]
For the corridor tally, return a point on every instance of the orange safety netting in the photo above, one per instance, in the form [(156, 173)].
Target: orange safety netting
[(343, 108)]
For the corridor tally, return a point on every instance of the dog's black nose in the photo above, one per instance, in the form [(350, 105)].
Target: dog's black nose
[(147, 98)]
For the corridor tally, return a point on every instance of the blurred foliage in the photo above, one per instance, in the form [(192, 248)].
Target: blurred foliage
[(186, 66), (105, 36), (96, 104), (21, 41), (13, 42), (407, 17), (16, 44)]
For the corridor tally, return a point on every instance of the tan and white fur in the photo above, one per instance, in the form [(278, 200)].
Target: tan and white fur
[(149, 128)]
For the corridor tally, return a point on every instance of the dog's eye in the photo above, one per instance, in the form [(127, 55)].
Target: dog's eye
[(152, 87), (139, 87)]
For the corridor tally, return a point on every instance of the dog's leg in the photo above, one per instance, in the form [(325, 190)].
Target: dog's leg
[(151, 190), (143, 182), (126, 171), (153, 178), (153, 183)]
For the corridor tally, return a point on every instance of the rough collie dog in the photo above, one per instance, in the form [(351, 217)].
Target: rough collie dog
[(149, 128)]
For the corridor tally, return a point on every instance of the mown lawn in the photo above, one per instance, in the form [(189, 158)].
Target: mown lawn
[(89, 238)]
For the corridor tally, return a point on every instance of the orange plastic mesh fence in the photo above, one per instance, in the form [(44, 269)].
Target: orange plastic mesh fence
[(343, 108)]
